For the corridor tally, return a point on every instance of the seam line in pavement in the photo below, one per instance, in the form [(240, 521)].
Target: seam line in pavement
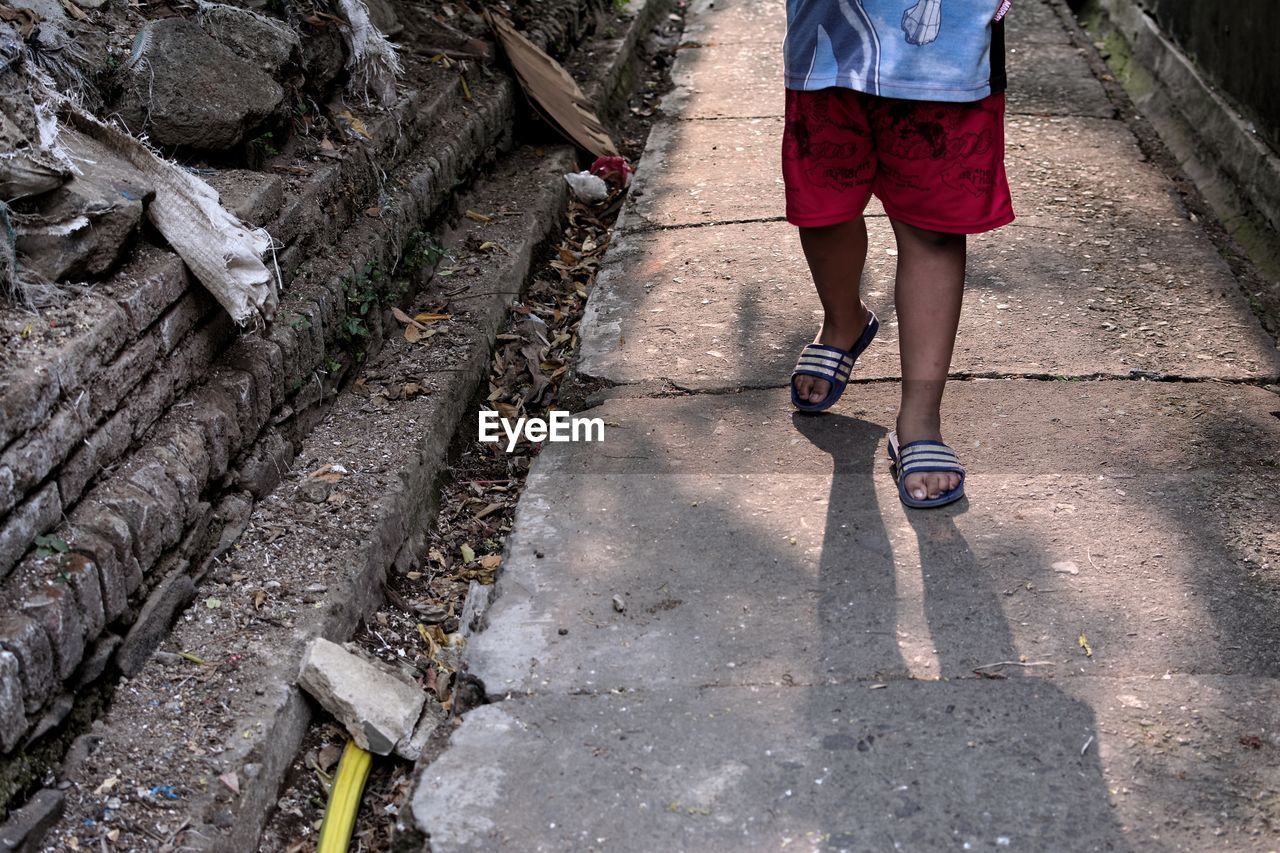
[(673, 388), (1014, 112), (886, 681)]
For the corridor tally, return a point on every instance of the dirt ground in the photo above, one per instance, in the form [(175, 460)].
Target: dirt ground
[(477, 505)]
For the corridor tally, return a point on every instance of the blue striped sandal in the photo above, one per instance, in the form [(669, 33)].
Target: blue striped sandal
[(832, 364), (923, 457)]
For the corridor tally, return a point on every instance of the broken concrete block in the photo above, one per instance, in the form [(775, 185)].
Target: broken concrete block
[(379, 710), (185, 88), (432, 717)]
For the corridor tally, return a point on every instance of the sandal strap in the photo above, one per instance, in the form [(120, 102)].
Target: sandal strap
[(921, 457), (824, 362)]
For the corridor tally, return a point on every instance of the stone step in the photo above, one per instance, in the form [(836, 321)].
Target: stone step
[(1084, 764)]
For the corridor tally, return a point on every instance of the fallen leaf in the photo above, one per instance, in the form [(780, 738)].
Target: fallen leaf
[(468, 554), (231, 780), (107, 784), (491, 561), (1084, 644), (354, 123), (429, 317), (488, 510), (417, 332), (259, 599), (331, 473), (477, 217)]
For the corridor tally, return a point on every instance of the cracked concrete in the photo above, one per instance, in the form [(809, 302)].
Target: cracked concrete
[(720, 630)]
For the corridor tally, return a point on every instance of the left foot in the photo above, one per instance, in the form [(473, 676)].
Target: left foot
[(929, 485)]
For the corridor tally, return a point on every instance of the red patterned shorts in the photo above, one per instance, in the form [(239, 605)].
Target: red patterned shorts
[(937, 166)]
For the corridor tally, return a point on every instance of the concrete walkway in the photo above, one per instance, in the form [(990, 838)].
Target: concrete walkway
[(793, 666)]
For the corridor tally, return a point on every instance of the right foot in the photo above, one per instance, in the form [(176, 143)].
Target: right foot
[(843, 336)]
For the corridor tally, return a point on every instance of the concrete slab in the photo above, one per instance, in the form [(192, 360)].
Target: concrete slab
[(736, 22), (976, 765), (1062, 168), (731, 305), (1034, 23), (1071, 169), (1052, 79), (751, 547), (699, 172), (727, 81)]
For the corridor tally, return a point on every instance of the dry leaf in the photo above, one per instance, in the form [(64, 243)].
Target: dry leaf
[(231, 780), (468, 554), (429, 317), (354, 123), (490, 561), (1084, 644), (331, 473), (477, 217), (259, 599)]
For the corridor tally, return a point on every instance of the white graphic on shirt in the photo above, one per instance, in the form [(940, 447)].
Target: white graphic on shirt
[(922, 22)]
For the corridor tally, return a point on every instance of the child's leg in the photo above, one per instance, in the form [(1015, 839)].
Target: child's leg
[(930, 286), (836, 254)]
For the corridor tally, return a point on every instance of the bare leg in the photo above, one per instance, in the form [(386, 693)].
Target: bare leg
[(930, 287), (836, 255)]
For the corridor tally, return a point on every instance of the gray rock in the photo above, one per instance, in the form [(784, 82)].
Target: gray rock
[(266, 43), (27, 826), (382, 14), (12, 721), (184, 88), (83, 229), (26, 641), (379, 710), (162, 607), (29, 520), (323, 58)]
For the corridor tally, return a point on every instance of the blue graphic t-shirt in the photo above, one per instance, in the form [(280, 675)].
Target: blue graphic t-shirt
[(922, 50)]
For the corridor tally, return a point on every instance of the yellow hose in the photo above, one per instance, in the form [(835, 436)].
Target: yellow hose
[(344, 799)]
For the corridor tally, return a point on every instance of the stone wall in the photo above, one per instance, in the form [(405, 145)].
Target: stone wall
[(138, 425), (1234, 46)]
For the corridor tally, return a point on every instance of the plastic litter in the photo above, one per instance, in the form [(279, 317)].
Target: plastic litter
[(586, 187)]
